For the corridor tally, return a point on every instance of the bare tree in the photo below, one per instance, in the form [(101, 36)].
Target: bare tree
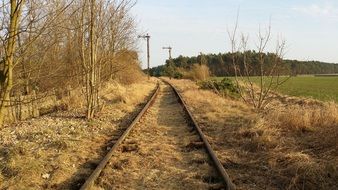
[(22, 24), (50, 44), (255, 88), (105, 30), (88, 43)]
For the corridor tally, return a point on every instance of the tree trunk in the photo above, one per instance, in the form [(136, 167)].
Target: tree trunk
[(9, 58), (92, 96)]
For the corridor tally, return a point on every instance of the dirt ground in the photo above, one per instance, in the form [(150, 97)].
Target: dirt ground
[(162, 152), (292, 145), (59, 151)]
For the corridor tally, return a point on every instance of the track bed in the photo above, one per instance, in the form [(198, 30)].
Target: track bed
[(161, 152)]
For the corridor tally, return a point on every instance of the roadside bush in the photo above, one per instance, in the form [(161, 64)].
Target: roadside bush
[(225, 87)]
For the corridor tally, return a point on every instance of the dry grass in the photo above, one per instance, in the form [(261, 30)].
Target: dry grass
[(304, 117), (293, 145), (59, 150)]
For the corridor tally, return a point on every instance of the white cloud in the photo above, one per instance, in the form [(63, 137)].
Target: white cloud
[(315, 10)]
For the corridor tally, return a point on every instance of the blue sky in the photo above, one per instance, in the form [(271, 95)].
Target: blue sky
[(310, 27)]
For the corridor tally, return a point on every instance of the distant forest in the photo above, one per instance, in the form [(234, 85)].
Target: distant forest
[(221, 64)]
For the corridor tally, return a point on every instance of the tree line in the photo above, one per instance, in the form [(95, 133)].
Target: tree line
[(53, 44), (221, 64)]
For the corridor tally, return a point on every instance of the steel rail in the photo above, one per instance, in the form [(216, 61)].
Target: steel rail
[(225, 177), (96, 173)]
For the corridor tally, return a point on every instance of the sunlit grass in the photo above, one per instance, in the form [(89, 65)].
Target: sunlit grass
[(321, 88)]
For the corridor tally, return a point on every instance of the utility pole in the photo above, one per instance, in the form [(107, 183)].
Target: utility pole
[(147, 37), (168, 48), (170, 64)]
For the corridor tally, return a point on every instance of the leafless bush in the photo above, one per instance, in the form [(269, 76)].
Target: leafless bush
[(256, 93)]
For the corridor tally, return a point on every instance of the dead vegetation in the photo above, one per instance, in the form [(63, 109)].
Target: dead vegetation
[(292, 145), (58, 151)]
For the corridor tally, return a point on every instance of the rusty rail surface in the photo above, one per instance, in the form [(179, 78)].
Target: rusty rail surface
[(96, 173), (225, 177)]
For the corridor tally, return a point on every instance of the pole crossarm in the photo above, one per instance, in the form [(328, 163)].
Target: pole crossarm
[(147, 36), (168, 48)]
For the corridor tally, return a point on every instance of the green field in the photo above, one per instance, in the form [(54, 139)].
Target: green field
[(321, 88)]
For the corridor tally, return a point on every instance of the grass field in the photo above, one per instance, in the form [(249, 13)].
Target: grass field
[(321, 88)]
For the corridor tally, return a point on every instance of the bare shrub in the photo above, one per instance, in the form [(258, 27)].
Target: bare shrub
[(269, 67)]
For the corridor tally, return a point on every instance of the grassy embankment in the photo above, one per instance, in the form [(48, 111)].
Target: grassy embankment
[(322, 87), (289, 146)]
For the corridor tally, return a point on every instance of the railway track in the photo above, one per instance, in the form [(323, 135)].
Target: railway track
[(163, 148)]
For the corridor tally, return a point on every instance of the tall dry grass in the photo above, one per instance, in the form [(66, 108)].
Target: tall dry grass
[(121, 87), (304, 117), (117, 92)]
